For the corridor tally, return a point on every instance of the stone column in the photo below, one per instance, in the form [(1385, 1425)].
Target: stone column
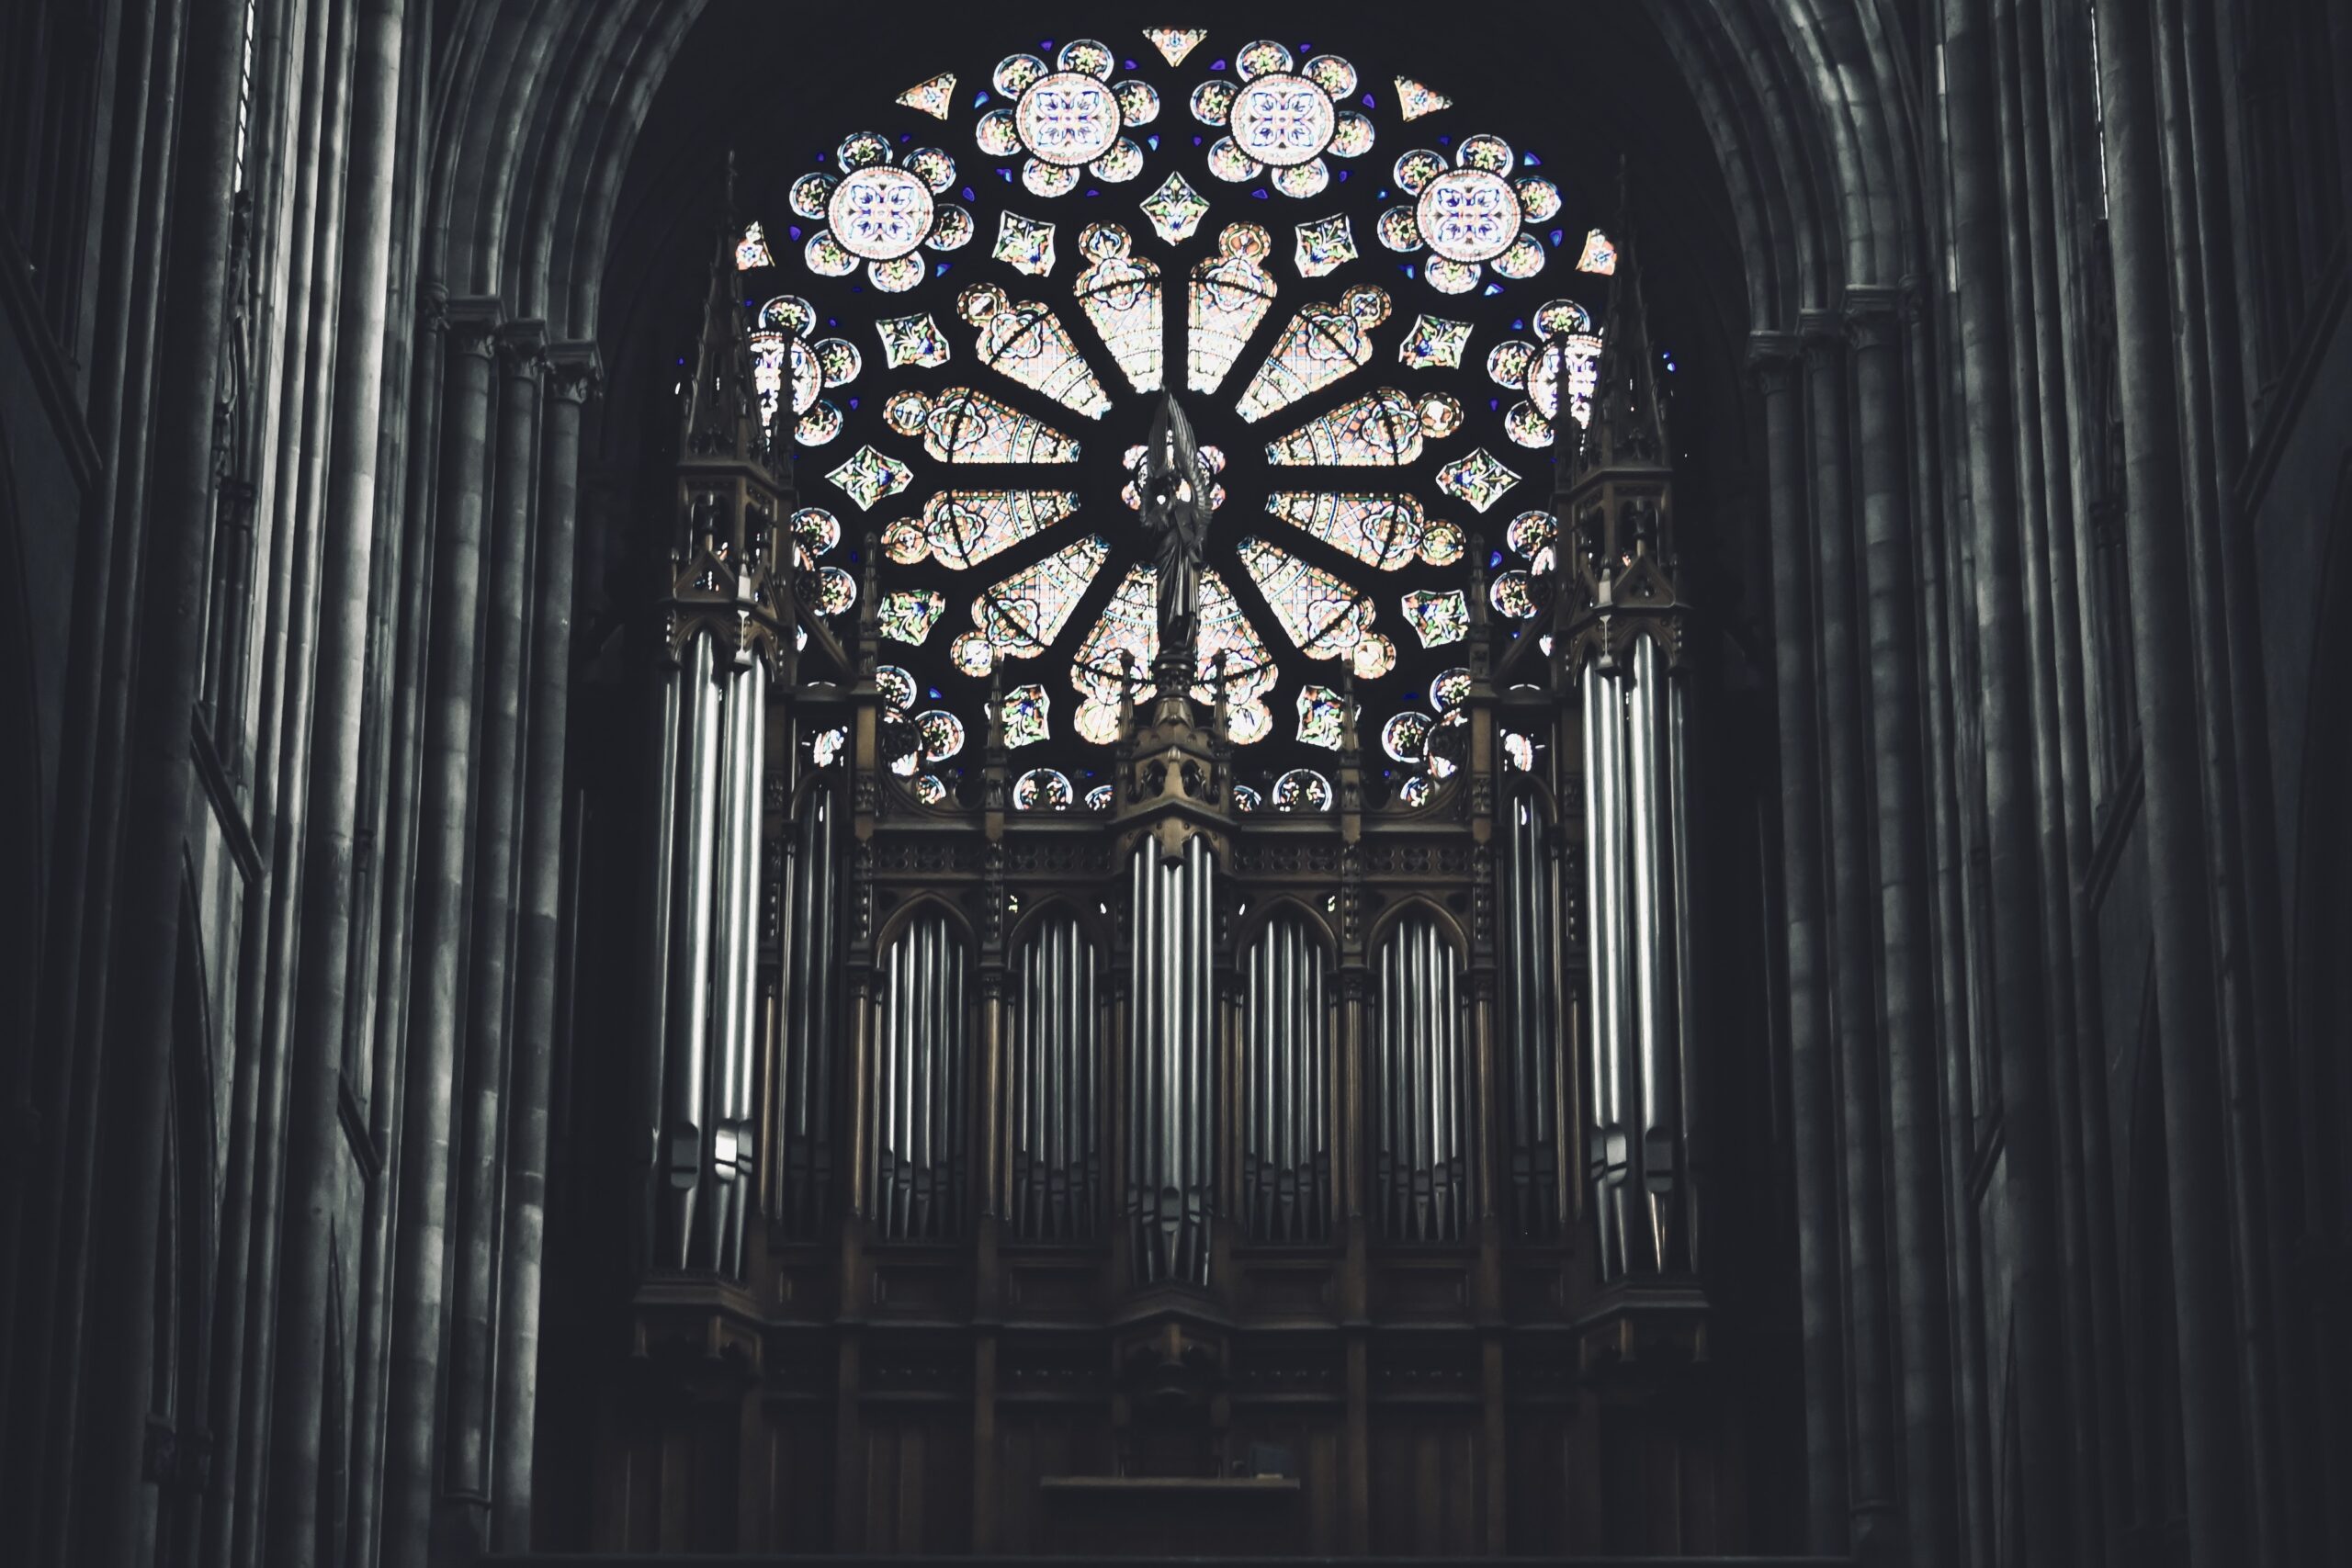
[(2020, 986), (314, 1136), (572, 373), (473, 1305), (2163, 654), (1915, 1132), (440, 929), (109, 1470), (1773, 356), (1854, 991)]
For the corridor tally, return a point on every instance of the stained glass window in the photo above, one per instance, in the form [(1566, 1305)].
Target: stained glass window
[(1322, 344), (965, 406), (1121, 297), (1021, 616), (966, 527), (1042, 789), (1027, 342), (1321, 716), (1231, 295), (960, 425), (1025, 721), (1383, 530), (1323, 615), (1382, 429)]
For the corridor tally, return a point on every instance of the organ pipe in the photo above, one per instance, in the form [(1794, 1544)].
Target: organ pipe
[(1173, 1069), (802, 1163), (1637, 878), (1422, 1091), (1530, 1011), (921, 1165), (1287, 1149), (707, 888), (1057, 1160)]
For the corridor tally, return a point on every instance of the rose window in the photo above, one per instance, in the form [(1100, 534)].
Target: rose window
[(1365, 413)]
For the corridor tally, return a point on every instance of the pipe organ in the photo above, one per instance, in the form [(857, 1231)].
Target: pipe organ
[(1287, 1077), (1249, 1149), (1622, 636), (1421, 1085), (919, 1100), (1530, 1063), (1052, 1073), (1171, 1063), (806, 1026)]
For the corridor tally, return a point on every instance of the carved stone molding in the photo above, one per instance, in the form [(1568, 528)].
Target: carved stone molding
[(471, 323)]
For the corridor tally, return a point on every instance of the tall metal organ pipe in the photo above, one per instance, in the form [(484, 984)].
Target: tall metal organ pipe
[(1286, 1117), (1421, 1082), (1057, 1166), (707, 884), (921, 1168), (1530, 1056), (801, 1166), (1172, 1065), (1636, 886)]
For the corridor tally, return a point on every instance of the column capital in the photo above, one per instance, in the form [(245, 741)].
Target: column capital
[(472, 322), (522, 346), (1871, 320), (1772, 358), (1823, 335), (575, 371)]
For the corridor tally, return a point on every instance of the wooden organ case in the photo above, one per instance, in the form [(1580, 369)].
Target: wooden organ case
[(1169, 1180)]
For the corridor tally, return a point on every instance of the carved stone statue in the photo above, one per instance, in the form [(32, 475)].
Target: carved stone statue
[(1173, 486)]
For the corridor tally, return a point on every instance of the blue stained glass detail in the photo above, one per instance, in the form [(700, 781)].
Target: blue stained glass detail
[(1531, 160), (1196, 142), (1445, 140), (795, 229), (938, 271), (980, 98), (1368, 101), (1152, 141), (968, 195), (1005, 174), (1260, 193), (1559, 237), (1127, 64), (1494, 289), (1216, 64)]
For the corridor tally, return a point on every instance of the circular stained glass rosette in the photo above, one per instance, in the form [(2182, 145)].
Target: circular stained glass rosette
[(1246, 799), (836, 590), (1405, 736), (1519, 750), (1448, 742), (1449, 689), (940, 734), (1531, 531), (1042, 789), (1513, 594), (1281, 120), (931, 789), (825, 746), (880, 213), (1069, 117), (817, 529), (897, 686), (1099, 798), (1468, 215), (1302, 789)]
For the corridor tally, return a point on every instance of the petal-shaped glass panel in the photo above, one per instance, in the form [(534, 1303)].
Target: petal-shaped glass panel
[(1322, 344), (1231, 295), (1027, 342)]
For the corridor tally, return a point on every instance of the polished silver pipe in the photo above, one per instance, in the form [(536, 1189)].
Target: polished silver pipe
[(747, 1052), (686, 1113), (882, 1092), (1648, 933), (651, 1103), (731, 956), (1685, 1089)]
